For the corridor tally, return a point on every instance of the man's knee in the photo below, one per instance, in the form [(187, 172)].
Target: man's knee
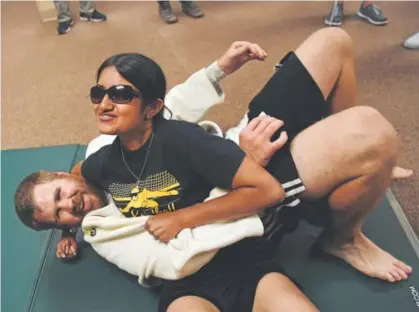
[(335, 34), (192, 304), (336, 37), (276, 292), (378, 136)]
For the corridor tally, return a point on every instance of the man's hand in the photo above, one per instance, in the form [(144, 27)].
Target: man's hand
[(164, 226), (66, 248), (255, 139), (239, 54)]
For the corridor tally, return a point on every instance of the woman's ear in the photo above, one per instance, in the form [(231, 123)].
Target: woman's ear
[(154, 108)]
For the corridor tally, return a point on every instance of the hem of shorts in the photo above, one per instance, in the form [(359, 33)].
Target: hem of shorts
[(194, 294)]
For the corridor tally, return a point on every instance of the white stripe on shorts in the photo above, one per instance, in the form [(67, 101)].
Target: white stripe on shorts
[(291, 183), (292, 189)]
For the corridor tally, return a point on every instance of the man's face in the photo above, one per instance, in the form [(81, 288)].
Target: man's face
[(64, 201)]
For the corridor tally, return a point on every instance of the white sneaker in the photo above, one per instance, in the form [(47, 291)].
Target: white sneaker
[(412, 42), (211, 128)]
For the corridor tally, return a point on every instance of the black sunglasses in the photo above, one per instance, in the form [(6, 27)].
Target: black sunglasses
[(119, 94)]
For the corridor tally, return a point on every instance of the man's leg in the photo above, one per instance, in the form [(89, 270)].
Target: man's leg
[(277, 293), (191, 303), (348, 156), (335, 77), (331, 64)]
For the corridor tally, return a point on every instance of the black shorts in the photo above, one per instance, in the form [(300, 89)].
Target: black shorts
[(229, 281), (294, 97)]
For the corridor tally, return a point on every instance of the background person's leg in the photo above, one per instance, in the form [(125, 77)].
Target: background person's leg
[(277, 293), (336, 15), (166, 12), (372, 13), (63, 16), (87, 6), (192, 303), (89, 13), (63, 11), (191, 9), (412, 42)]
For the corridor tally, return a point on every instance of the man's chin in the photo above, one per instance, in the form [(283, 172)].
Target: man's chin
[(95, 203), (95, 198)]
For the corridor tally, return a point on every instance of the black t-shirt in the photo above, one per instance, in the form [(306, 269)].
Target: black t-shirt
[(183, 165)]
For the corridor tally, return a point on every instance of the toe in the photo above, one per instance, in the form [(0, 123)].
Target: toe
[(389, 277), (403, 266), (396, 274), (401, 273)]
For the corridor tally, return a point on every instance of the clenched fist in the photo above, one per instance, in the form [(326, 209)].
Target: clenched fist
[(67, 248), (239, 53), (164, 226)]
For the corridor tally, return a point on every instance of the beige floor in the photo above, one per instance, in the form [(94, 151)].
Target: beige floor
[(45, 77)]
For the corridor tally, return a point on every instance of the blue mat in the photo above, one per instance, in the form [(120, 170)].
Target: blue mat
[(34, 280)]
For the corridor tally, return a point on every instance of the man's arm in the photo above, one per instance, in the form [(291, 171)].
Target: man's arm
[(67, 246), (190, 100), (255, 139)]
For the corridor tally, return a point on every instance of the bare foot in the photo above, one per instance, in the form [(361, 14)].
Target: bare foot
[(368, 258), (401, 173)]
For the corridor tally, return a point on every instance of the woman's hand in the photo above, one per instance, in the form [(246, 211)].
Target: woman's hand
[(164, 226), (255, 139)]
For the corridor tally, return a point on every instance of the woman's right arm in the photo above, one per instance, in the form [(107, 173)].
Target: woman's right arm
[(253, 189), (220, 163)]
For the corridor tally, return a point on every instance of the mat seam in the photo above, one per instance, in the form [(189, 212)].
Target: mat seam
[(404, 222)]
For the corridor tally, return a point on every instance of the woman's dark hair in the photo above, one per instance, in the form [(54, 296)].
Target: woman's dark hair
[(145, 74)]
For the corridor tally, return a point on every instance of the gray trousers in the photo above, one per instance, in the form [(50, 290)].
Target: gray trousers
[(63, 9)]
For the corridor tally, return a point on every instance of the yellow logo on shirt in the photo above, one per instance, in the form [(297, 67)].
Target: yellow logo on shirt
[(157, 193)]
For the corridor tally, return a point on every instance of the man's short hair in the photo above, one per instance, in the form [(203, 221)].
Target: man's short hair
[(24, 203)]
